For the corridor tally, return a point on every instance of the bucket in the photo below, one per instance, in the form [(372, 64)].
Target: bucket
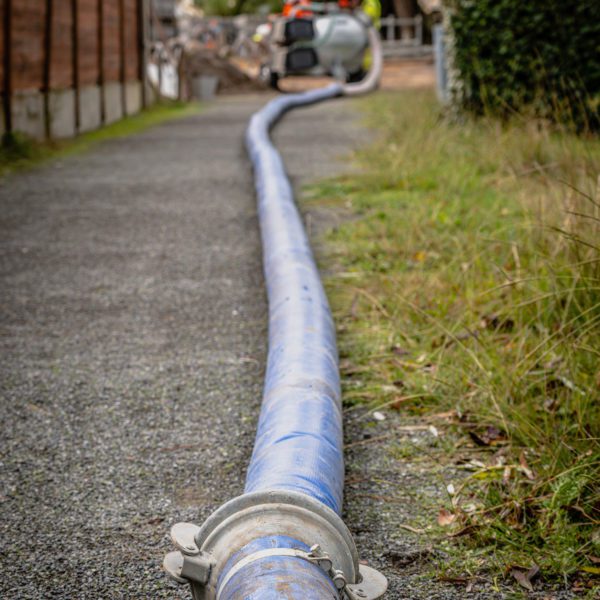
[(205, 87)]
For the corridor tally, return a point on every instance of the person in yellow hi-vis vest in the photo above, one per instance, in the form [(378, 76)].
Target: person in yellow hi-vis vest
[(372, 8)]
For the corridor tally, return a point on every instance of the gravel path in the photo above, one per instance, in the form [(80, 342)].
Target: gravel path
[(133, 336), (133, 330)]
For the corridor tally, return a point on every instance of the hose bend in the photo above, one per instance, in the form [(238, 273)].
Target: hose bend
[(373, 77)]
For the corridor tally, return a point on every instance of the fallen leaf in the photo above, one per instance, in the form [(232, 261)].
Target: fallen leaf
[(398, 402), (579, 586), (449, 415), (525, 467), (492, 436), (592, 570), (445, 517), (399, 351), (524, 578), (458, 580), (521, 579), (533, 572)]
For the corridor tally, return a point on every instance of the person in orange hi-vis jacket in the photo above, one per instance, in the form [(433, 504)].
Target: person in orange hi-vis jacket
[(301, 8), (293, 8)]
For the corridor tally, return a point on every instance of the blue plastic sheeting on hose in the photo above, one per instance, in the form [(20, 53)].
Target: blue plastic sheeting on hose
[(299, 439), (274, 577), (277, 577)]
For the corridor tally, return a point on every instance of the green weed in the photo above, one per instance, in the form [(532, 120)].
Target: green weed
[(466, 278), (19, 152)]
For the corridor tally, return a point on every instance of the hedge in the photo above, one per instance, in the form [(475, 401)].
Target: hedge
[(538, 56)]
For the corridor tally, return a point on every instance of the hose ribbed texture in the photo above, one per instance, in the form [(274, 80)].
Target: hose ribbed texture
[(299, 438), (298, 443), (276, 577)]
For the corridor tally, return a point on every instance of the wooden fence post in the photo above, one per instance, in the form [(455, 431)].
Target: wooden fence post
[(143, 48), (75, 58), (7, 95), (100, 18), (122, 56), (47, 68)]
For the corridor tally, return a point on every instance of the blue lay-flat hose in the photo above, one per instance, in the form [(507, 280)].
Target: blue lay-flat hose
[(253, 548), (299, 438), (298, 443)]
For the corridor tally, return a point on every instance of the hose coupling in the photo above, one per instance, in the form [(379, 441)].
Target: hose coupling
[(209, 557)]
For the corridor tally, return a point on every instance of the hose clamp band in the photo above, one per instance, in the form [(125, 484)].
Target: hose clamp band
[(371, 583), (324, 562)]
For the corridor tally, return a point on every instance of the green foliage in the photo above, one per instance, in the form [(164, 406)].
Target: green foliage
[(538, 55), (236, 7), (19, 152)]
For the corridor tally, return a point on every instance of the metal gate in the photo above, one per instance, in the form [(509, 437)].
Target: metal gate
[(403, 37)]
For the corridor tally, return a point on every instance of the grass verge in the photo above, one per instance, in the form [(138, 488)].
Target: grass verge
[(465, 277), (19, 152)]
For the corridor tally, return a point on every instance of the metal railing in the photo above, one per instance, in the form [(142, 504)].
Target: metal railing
[(402, 36)]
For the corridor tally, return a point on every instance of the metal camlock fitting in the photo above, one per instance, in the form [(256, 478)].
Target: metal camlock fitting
[(202, 555), (188, 564)]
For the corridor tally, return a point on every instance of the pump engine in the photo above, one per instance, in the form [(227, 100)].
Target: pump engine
[(318, 39)]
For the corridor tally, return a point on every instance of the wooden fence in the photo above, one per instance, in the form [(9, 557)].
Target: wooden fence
[(83, 57)]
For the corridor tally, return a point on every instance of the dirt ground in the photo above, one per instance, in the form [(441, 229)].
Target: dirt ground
[(407, 74), (398, 74)]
